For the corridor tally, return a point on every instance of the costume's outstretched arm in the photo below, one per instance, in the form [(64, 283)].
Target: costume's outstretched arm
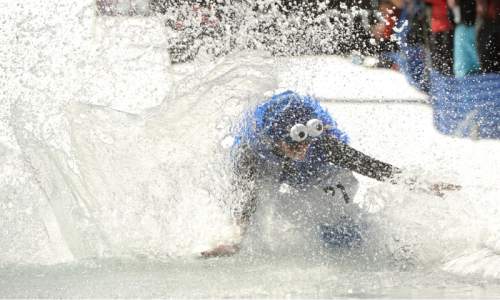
[(244, 180), (345, 156)]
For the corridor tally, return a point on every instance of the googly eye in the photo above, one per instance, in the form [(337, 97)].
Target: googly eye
[(315, 127), (298, 132)]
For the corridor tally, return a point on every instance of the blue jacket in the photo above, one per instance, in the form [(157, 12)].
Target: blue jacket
[(257, 133)]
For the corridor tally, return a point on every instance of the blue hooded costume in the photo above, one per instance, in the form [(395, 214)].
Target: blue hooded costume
[(255, 150), (271, 121), (324, 173)]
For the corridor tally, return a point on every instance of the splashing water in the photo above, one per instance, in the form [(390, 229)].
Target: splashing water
[(278, 28), (109, 152)]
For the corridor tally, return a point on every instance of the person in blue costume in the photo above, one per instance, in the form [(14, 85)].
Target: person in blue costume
[(293, 141)]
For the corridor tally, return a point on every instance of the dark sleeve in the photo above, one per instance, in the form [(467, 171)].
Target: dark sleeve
[(343, 155), (245, 170)]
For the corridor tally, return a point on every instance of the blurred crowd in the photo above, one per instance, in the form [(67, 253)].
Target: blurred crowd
[(458, 37)]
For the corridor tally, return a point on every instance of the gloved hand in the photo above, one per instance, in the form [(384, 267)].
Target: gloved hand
[(221, 250)]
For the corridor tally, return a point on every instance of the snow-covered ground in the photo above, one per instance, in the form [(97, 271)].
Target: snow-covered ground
[(114, 173)]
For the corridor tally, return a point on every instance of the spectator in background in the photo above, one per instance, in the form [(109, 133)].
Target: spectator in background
[(441, 37), (489, 35), (465, 57), (418, 24), (412, 35), (383, 33)]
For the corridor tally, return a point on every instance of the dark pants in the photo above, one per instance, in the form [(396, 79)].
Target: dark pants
[(488, 44), (441, 47)]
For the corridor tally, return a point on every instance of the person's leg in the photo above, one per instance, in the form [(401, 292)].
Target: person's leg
[(496, 48), (489, 47), (465, 56), (441, 47), (245, 169)]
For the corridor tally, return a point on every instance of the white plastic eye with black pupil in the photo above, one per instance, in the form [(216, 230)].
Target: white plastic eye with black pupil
[(315, 127), (298, 132)]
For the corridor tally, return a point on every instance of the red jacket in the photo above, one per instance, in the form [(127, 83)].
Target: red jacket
[(439, 17), (492, 10)]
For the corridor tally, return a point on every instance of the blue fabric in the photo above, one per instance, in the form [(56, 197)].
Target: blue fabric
[(346, 234), (465, 57), (256, 132), (413, 66), (468, 106), (410, 58)]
